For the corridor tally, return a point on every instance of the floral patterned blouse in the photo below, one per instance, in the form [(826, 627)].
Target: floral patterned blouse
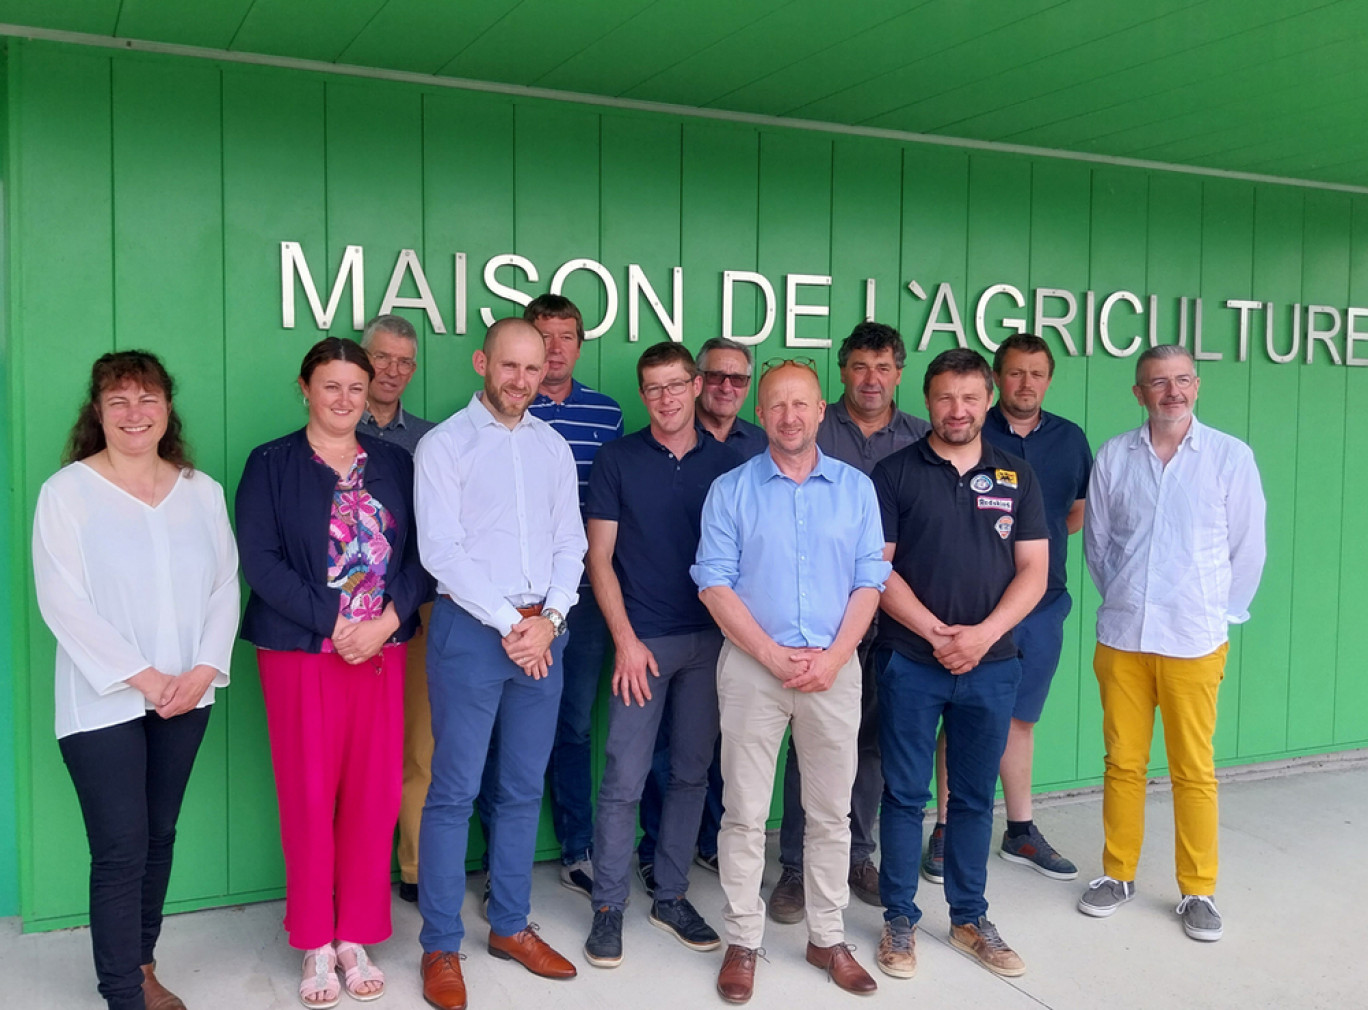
[(359, 533)]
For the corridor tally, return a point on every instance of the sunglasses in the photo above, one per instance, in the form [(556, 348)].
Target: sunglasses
[(735, 379)]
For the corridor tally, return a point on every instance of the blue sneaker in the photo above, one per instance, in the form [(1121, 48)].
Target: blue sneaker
[(1032, 850)]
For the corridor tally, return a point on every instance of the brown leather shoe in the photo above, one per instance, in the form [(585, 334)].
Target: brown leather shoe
[(841, 966), (443, 984), (155, 995), (864, 882), (532, 952), (787, 902), (736, 980)]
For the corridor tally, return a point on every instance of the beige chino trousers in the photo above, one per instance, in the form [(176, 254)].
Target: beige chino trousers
[(756, 709)]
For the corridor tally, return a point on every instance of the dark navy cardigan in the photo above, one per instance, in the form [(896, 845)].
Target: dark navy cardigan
[(284, 506)]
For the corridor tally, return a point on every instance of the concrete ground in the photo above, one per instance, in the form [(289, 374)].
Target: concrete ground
[(1293, 878)]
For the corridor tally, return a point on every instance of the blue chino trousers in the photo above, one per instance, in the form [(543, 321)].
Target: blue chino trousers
[(473, 686)]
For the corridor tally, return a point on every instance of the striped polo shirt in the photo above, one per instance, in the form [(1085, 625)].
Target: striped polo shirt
[(586, 419)]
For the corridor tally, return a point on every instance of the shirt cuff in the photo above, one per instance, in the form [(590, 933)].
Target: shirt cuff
[(503, 619), (707, 578)]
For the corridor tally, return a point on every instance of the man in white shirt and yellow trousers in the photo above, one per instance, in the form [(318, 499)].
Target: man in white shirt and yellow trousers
[(1174, 539)]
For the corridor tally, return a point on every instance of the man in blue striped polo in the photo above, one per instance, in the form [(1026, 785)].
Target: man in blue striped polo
[(586, 419)]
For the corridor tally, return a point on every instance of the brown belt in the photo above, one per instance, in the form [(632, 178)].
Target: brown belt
[(532, 611)]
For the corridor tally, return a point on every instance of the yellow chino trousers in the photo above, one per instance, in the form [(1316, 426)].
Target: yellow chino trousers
[(417, 749), (1132, 684)]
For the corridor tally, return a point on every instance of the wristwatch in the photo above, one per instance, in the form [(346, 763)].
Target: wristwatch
[(557, 621)]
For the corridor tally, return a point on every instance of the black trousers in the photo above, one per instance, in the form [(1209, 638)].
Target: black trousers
[(130, 780)]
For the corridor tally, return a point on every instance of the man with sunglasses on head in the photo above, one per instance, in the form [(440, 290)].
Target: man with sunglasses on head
[(790, 564), (861, 428), (1174, 539), (392, 343)]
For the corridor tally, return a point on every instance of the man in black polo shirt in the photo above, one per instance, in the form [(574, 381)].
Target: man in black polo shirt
[(1058, 453), (966, 533), (645, 503)]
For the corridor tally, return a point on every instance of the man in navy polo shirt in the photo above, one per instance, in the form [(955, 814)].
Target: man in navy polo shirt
[(587, 419), (645, 501), (1059, 455), (965, 529)]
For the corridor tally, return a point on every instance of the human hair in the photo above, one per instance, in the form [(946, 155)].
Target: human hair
[(335, 349), (111, 371), (1026, 343), (872, 336), (960, 361), (397, 325), (1158, 353), (667, 352), (724, 344), (555, 307)]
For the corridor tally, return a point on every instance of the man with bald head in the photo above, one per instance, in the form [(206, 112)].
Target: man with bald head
[(790, 564), (499, 528)]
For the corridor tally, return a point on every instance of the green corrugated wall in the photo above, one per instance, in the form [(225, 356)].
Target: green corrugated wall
[(146, 198)]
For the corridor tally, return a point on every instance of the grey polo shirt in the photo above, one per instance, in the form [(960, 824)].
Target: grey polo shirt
[(840, 437), (404, 429)]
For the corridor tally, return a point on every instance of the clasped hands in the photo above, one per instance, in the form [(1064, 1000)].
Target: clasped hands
[(807, 669), (960, 647), (358, 641), (529, 645), (171, 695)]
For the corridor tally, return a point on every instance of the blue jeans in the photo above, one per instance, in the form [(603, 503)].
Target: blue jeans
[(572, 811), (688, 680), (977, 710), (474, 687)]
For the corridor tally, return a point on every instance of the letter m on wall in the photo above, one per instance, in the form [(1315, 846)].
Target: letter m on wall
[(293, 266)]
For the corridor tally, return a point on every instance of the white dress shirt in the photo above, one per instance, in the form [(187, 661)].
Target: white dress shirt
[(124, 586), (1176, 550), (498, 515)]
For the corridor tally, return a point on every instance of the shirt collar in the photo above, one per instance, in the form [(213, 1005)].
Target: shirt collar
[(998, 417), (1140, 438), (399, 420), (576, 388), (825, 468), (481, 416)]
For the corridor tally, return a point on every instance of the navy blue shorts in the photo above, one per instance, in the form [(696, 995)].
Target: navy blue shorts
[(1039, 639)]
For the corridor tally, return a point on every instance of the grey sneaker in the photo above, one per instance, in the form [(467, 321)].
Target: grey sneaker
[(980, 940), (1032, 850), (1105, 895), (898, 948), (603, 949), (933, 860), (1201, 921), (579, 877), (646, 874)]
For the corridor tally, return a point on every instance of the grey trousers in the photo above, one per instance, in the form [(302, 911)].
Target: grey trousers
[(688, 665)]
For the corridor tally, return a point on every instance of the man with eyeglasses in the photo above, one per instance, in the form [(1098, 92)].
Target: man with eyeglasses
[(587, 420), (646, 495), (790, 564), (1174, 540), (725, 366), (392, 343), (861, 428)]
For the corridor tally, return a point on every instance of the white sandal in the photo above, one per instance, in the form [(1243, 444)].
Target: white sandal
[(363, 971), (321, 989)]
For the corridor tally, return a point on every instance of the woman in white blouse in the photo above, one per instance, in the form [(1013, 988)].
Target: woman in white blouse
[(136, 572)]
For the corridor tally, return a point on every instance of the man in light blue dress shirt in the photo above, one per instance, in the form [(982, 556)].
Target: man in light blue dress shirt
[(790, 564)]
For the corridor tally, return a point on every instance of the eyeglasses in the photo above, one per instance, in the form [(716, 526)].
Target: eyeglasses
[(676, 388), (774, 363), (382, 361), (1184, 381), (735, 379)]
